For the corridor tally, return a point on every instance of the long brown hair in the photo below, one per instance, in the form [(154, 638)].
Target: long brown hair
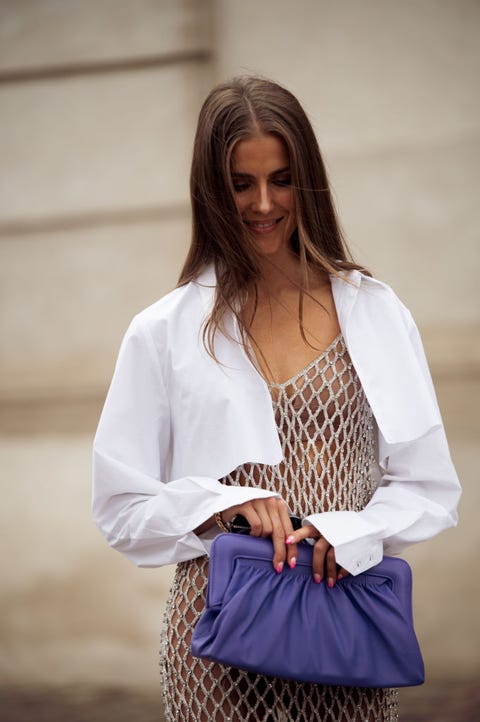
[(232, 112)]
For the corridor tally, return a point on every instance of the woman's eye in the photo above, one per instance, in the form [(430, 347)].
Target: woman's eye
[(239, 187), (283, 181)]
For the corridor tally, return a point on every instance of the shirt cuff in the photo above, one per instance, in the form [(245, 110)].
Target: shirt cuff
[(357, 543)]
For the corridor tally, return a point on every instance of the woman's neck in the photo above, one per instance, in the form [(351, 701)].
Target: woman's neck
[(277, 280)]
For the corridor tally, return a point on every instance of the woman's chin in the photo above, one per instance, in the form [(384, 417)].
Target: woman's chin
[(270, 246)]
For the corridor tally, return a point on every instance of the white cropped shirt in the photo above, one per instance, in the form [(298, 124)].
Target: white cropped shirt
[(175, 422)]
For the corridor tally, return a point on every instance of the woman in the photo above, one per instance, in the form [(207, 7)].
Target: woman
[(277, 379)]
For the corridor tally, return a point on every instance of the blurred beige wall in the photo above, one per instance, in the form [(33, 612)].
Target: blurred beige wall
[(98, 104)]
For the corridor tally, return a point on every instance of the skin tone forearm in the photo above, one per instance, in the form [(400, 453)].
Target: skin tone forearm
[(270, 518)]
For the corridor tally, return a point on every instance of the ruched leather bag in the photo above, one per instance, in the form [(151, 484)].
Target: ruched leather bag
[(359, 633)]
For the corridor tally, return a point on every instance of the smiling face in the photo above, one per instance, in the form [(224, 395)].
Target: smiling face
[(264, 196)]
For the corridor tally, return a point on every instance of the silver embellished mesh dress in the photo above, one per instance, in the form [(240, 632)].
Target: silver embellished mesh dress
[(326, 429)]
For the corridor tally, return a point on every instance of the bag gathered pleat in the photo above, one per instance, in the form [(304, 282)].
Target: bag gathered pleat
[(359, 633)]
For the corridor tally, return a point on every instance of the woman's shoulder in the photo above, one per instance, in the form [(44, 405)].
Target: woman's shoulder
[(187, 297), (371, 292), (365, 282), (176, 316)]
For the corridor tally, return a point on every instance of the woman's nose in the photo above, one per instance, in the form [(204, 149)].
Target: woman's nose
[(263, 202)]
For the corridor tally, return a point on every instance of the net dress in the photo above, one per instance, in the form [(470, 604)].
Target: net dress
[(326, 429)]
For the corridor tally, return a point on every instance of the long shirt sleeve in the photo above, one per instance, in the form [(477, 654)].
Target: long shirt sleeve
[(416, 498), (149, 520)]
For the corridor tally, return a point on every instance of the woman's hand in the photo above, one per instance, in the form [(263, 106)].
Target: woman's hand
[(268, 518), (324, 562)]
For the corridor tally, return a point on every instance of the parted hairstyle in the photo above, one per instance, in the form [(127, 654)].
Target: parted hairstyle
[(232, 112)]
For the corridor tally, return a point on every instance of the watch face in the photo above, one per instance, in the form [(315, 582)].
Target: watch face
[(239, 525), (296, 522)]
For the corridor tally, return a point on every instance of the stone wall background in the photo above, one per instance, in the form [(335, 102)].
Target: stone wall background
[(98, 104)]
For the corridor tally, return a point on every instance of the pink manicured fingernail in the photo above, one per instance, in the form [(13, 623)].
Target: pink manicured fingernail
[(330, 582), (279, 567), (317, 578), (292, 563), (290, 539)]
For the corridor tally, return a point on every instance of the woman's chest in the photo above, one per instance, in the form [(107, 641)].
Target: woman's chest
[(285, 341)]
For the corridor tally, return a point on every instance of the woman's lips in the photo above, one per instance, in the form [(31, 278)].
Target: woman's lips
[(263, 226)]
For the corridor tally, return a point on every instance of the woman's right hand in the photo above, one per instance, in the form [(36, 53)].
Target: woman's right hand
[(268, 518)]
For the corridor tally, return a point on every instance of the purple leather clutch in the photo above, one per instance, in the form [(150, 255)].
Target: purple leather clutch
[(359, 634)]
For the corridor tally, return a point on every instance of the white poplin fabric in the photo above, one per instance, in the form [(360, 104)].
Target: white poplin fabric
[(175, 422)]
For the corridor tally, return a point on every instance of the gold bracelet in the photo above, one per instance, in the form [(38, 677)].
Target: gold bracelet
[(220, 522)]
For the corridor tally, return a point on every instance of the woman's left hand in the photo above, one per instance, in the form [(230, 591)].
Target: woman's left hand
[(324, 564)]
